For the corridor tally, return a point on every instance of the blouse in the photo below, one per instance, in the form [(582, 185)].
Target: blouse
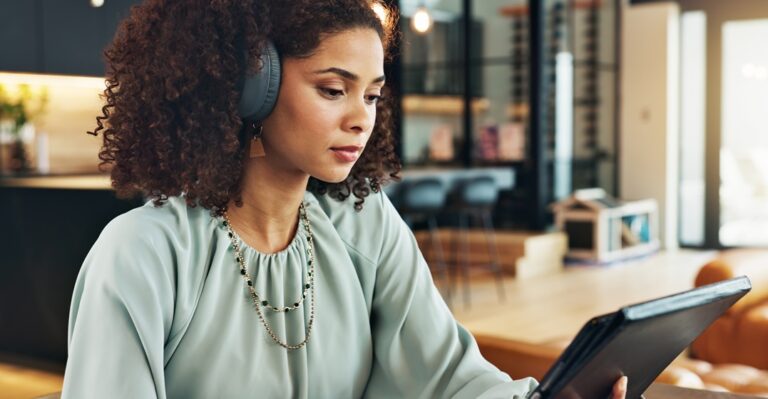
[(160, 310)]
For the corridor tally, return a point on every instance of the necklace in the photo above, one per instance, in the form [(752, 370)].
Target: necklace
[(261, 302)]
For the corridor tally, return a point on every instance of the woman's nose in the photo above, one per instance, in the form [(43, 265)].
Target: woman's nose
[(361, 116)]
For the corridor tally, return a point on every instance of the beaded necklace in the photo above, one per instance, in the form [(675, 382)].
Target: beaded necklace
[(260, 301)]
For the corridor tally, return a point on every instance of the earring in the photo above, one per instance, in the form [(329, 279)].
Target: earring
[(257, 147)]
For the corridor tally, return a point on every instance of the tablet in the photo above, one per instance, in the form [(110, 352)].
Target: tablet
[(638, 341)]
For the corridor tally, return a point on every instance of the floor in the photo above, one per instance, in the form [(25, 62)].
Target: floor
[(539, 310)]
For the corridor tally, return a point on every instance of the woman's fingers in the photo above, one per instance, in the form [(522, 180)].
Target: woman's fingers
[(620, 388)]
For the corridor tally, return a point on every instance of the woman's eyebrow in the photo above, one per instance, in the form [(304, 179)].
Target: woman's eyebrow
[(347, 74)]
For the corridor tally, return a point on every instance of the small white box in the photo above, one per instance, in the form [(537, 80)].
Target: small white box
[(601, 228)]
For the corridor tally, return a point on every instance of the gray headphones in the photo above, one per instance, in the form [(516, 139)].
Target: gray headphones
[(259, 92)]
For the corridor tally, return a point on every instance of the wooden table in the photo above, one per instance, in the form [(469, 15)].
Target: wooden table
[(552, 308), (525, 334)]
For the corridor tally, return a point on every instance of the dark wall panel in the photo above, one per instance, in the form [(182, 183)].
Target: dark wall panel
[(19, 36)]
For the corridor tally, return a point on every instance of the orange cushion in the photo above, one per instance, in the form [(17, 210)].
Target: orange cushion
[(699, 367), (682, 377), (752, 263), (734, 377), (717, 343), (752, 336)]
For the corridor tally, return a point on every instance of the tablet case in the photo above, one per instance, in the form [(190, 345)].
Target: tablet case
[(638, 341)]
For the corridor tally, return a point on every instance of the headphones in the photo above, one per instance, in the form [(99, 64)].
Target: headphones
[(259, 91)]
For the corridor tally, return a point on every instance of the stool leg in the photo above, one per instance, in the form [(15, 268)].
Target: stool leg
[(463, 226), (493, 250), (437, 247)]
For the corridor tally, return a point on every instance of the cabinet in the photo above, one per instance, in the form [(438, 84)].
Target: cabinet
[(45, 236), (58, 36)]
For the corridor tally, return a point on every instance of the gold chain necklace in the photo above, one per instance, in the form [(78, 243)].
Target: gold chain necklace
[(260, 301)]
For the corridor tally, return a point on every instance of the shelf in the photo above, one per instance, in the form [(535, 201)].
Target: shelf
[(442, 105), (518, 110), (86, 182)]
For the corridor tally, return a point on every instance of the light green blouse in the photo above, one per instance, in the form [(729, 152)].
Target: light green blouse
[(160, 310)]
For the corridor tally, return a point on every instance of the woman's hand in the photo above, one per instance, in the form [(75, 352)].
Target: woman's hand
[(620, 388)]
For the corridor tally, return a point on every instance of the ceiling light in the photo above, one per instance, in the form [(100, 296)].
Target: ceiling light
[(421, 21)]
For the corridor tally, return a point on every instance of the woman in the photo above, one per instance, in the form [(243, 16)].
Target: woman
[(268, 263)]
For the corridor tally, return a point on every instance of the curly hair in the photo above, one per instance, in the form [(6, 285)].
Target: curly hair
[(170, 123)]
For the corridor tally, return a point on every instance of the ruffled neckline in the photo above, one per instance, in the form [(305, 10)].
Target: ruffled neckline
[(297, 242)]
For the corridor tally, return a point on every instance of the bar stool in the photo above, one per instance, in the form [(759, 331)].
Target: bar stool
[(424, 199), (473, 201)]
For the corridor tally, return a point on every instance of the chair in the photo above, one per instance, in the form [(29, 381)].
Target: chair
[(423, 199), (473, 201)]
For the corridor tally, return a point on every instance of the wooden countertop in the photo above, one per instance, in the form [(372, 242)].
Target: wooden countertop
[(504, 176), (77, 182), (550, 309)]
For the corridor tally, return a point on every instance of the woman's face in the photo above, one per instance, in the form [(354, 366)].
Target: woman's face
[(326, 106)]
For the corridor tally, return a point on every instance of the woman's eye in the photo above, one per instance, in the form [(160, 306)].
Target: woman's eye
[(331, 93), (373, 98)]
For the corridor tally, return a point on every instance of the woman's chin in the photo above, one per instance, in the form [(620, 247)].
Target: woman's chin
[(333, 177)]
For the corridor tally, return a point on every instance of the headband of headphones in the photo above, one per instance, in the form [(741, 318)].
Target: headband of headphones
[(260, 90)]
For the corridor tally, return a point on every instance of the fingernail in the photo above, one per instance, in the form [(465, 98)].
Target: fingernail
[(624, 381)]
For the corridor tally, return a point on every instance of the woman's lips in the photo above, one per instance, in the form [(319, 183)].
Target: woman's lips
[(347, 154)]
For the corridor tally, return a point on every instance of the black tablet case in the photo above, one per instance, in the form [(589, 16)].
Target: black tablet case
[(638, 341)]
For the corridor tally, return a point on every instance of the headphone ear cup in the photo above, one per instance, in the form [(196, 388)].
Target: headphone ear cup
[(260, 90)]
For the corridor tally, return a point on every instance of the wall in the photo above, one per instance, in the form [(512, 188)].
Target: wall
[(649, 138)]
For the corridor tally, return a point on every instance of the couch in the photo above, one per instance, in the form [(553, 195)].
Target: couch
[(741, 335), (732, 354)]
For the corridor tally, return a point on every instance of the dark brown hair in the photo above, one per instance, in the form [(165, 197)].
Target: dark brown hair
[(170, 123)]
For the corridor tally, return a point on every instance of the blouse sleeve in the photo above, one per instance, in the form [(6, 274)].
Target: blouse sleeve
[(420, 350), (121, 309)]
